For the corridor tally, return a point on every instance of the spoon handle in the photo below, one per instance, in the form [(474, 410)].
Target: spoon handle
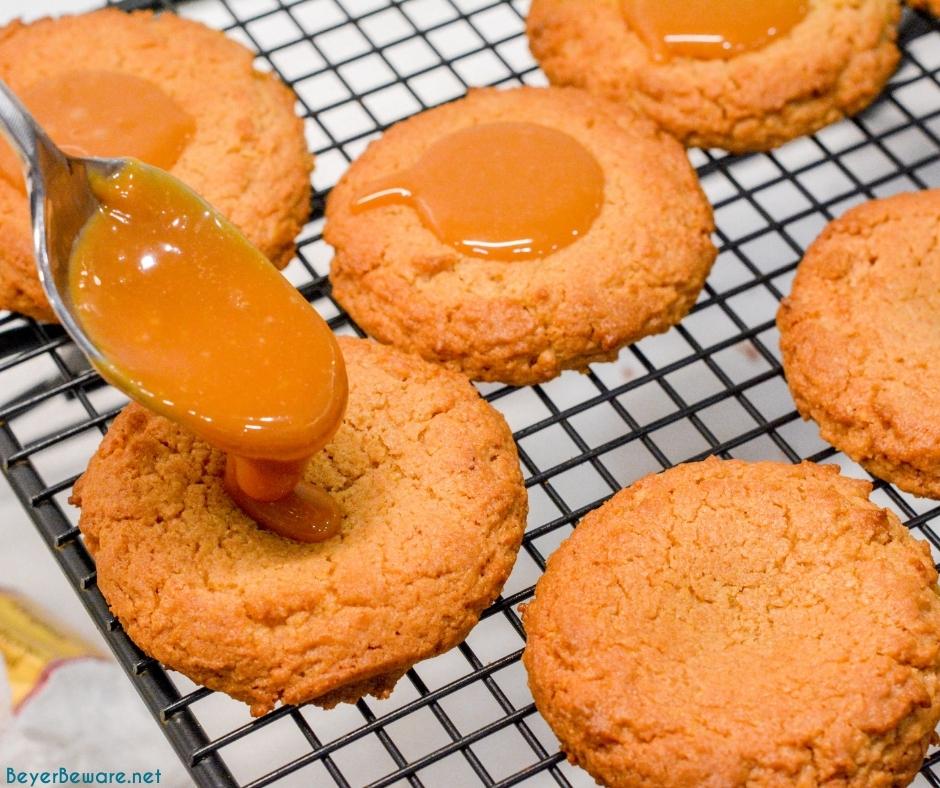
[(27, 138), (60, 202)]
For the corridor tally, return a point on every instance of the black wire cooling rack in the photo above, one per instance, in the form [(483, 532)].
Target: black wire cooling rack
[(712, 385)]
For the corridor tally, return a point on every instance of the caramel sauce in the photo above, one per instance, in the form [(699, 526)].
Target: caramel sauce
[(306, 513), (105, 113), (196, 324), (505, 191), (710, 29)]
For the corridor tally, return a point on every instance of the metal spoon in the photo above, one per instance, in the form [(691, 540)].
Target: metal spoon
[(60, 202)]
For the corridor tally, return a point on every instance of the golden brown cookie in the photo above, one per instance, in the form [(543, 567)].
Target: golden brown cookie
[(860, 336), (739, 624), (247, 156), (635, 272), (832, 64), (427, 474)]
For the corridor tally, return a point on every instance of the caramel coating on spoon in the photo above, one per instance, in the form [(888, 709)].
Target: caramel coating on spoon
[(196, 324)]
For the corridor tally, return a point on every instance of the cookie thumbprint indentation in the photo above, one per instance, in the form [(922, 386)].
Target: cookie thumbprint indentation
[(505, 191), (710, 30), (105, 113)]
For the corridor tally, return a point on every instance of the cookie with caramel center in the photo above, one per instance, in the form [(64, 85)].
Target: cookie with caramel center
[(246, 155), (636, 270), (830, 65)]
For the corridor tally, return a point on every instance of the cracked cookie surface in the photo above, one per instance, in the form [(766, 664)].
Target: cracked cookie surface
[(636, 271), (831, 65), (247, 157), (860, 338), (729, 623), (427, 475)]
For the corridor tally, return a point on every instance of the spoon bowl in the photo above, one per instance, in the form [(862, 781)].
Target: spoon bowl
[(140, 269)]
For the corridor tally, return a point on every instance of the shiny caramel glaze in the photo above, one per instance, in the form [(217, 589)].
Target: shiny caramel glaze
[(505, 191), (105, 113), (710, 29), (197, 325)]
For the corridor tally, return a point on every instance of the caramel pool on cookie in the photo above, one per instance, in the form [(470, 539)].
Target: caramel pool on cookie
[(710, 29), (506, 191)]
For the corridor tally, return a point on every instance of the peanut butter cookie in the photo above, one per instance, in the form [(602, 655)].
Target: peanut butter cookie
[(860, 336), (739, 624), (832, 64), (247, 155), (427, 475), (636, 271)]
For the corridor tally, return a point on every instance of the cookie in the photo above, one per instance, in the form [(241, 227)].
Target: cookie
[(832, 64), (860, 338), (636, 271), (739, 624), (428, 477), (247, 155)]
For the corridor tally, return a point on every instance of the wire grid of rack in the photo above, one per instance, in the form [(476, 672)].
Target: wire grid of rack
[(712, 385)]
